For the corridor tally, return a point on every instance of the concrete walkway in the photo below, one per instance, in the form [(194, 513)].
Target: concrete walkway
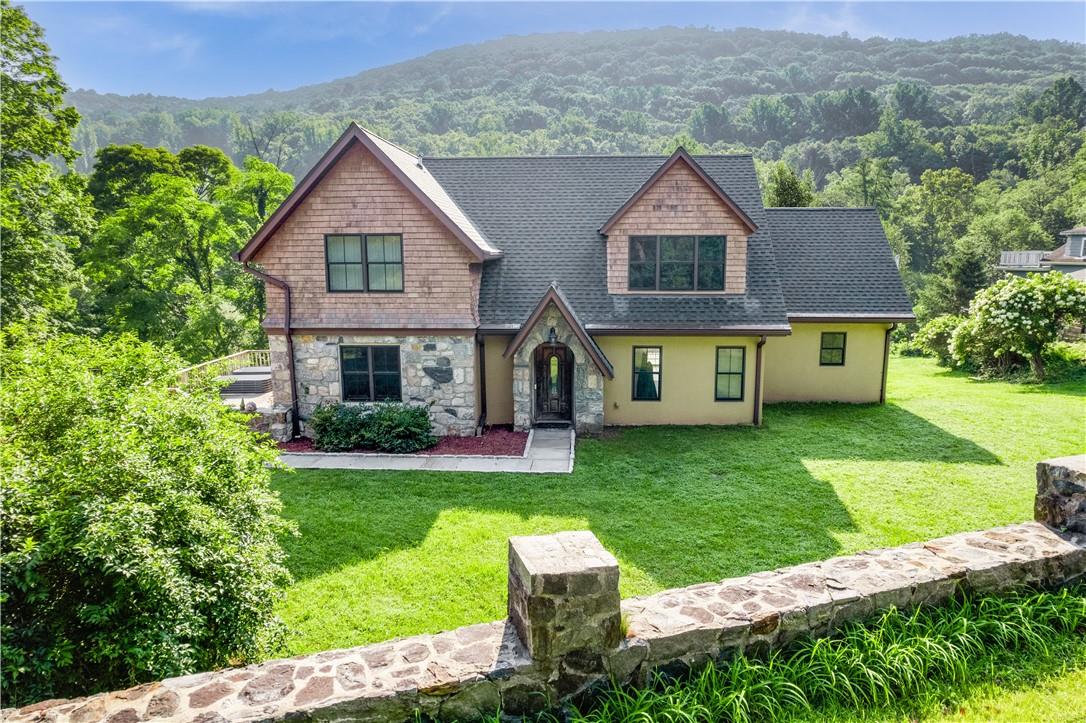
[(548, 451)]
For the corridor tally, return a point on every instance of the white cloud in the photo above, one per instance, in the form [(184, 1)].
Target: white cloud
[(829, 20), (142, 38)]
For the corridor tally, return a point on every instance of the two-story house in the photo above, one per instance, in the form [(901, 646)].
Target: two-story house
[(582, 290), (1068, 258)]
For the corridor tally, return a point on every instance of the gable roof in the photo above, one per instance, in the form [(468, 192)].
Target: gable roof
[(680, 155), (547, 211), (406, 167), (554, 295), (836, 263)]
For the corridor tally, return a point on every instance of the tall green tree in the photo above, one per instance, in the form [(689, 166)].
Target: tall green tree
[(932, 215), (786, 188), (44, 215), (121, 172)]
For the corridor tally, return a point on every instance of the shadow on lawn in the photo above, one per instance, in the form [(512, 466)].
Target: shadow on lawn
[(682, 504)]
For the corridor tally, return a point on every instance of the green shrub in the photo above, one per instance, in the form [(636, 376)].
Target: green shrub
[(1065, 361), (974, 347), (385, 427), (140, 537), (399, 428), (338, 427), (934, 337)]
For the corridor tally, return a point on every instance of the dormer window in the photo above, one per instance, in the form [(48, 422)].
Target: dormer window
[(677, 263)]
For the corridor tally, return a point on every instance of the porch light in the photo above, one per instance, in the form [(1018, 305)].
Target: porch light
[(552, 336)]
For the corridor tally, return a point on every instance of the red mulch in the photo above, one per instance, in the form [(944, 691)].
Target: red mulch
[(494, 441)]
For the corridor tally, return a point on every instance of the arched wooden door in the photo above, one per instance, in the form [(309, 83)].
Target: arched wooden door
[(553, 383)]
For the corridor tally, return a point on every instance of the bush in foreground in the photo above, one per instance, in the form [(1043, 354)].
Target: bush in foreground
[(386, 427), (140, 534), (905, 661)]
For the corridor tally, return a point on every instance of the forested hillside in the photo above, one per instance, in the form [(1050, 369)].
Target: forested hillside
[(801, 95)]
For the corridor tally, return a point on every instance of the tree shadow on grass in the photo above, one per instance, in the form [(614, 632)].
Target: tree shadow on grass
[(682, 504)]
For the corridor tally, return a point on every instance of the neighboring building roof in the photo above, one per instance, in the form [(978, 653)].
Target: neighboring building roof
[(555, 296), (1076, 231), (679, 156), (404, 166), (546, 212), (836, 263)]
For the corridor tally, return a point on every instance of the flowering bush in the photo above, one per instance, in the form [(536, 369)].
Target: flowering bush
[(934, 337), (1023, 315)]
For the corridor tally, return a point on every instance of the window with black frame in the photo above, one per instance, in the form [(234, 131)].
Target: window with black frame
[(646, 373), (832, 350), (364, 262), (730, 370), (370, 373), (676, 263)]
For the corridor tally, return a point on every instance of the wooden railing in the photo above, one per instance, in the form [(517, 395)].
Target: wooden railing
[(226, 364), (1021, 259)]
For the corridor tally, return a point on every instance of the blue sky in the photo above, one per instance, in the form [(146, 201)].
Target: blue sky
[(199, 49)]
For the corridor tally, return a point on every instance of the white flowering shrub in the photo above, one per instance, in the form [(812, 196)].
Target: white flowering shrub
[(1019, 316)]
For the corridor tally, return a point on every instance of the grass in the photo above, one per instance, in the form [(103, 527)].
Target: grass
[(386, 554), (904, 665)]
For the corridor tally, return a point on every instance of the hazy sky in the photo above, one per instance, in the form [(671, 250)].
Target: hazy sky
[(198, 49)]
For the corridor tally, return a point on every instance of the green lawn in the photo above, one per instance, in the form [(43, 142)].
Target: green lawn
[(385, 554)]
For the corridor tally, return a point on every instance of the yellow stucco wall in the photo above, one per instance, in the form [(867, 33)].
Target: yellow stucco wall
[(793, 374), (499, 381), (687, 381)]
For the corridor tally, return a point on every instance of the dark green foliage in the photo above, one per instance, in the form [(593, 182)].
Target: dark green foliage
[(121, 172), (903, 662), (140, 538), (338, 427), (934, 337), (386, 427), (399, 428), (787, 189)]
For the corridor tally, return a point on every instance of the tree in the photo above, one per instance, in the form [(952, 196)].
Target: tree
[(1065, 98), (255, 193), (933, 215), (914, 101), (851, 112), (140, 532), (43, 215), (711, 123), (121, 172), (209, 168), (871, 182), (788, 189), (1026, 314), (275, 138)]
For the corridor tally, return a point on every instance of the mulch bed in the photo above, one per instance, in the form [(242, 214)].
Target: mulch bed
[(501, 441)]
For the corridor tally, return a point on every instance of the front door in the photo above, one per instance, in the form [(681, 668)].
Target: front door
[(553, 383)]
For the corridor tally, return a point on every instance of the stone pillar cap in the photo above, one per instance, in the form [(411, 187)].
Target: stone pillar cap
[(563, 552), (1076, 462)]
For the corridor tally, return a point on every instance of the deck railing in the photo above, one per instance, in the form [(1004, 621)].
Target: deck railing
[(1021, 259), (226, 364)]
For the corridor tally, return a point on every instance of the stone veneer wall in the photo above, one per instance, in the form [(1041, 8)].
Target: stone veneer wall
[(435, 370), (587, 379), (1061, 494), (563, 633)]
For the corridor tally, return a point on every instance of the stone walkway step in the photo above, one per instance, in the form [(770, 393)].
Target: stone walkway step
[(549, 451)]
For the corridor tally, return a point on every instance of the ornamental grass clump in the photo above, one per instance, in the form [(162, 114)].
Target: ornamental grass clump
[(140, 535), (911, 659)]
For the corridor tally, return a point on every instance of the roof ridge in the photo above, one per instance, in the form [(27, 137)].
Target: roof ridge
[(820, 208), (578, 155)]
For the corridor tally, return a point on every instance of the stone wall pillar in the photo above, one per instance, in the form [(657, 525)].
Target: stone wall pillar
[(1061, 494), (564, 605)]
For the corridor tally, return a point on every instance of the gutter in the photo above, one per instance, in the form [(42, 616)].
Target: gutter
[(885, 361), (758, 380), (279, 283)]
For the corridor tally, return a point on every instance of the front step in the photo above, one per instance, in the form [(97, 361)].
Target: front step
[(552, 425)]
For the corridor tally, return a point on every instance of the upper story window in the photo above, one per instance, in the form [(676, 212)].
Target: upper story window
[(677, 263), (364, 262), (832, 349)]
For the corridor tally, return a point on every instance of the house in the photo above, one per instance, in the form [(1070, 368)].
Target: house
[(583, 290), (1069, 258)]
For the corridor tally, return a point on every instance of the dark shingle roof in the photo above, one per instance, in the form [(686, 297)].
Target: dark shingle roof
[(836, 262), (544, 214)]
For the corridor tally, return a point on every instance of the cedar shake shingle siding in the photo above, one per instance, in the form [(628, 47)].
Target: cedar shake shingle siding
[(358, 195), (679, 203)]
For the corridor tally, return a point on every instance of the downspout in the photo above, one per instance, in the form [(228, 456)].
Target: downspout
[(294, 428), (480, 349), (885, 361), (758, 381)]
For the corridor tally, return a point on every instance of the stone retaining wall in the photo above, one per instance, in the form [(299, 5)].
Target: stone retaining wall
[(1061, 494), (563, 634)]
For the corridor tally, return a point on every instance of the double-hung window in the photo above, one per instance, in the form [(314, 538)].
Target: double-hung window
[(730, 369), (831, 352), (646, 373), (364, 262), (370, 373), (676, 263)]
